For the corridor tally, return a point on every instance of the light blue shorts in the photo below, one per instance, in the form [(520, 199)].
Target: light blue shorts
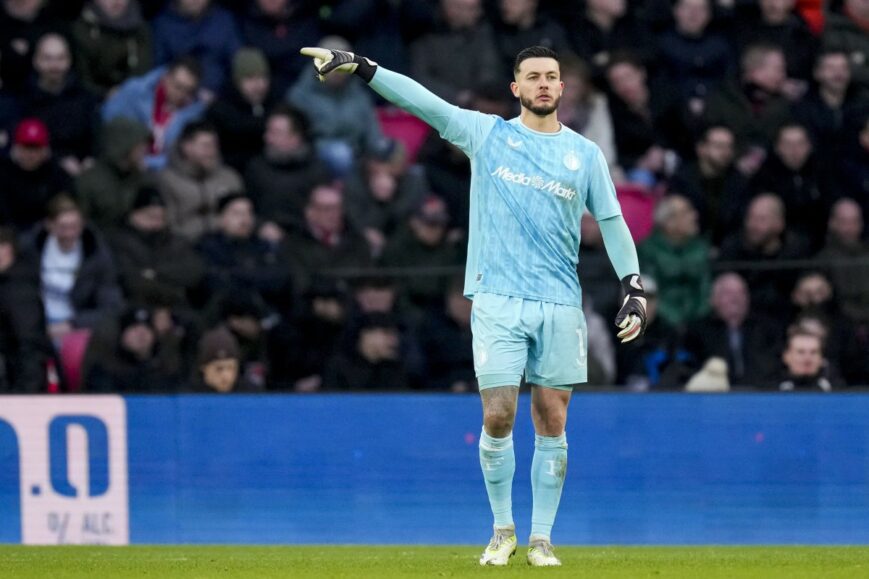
[(545, 341)]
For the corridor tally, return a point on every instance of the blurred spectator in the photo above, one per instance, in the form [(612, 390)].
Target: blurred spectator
[(371, 359), (240, 114), (692, 56), (24, 345), (113, 43), (324, 242), (201, 29), (107, 189), (601, 352), (764, 239), (248, 318), (279, 179), (445, 339), (678, 259), (22, 22), (448, 172), (164, 100), (383, 193), (195, 180), (218, 364), (804, 363), (237, 260), (595, 269), (440, 60), (423, 243), (845, 243), (30, 177), (133, 361), (848, 31), (520, 25), (791, 172), (586, 110), (279, 28), (156, 267), (855, 165), (77, 277), (744, 338), (831, 109), (340, 112), (67, 108), (713, 185)]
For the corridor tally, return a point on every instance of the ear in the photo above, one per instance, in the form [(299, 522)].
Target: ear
[(515, 89)]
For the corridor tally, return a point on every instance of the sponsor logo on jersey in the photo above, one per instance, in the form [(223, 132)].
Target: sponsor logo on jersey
[(536, 182)]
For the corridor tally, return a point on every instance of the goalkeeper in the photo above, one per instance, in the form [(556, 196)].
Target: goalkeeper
[(531, 180)]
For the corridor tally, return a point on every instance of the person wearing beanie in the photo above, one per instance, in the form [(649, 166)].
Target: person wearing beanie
[(240, 115), (219, 362)]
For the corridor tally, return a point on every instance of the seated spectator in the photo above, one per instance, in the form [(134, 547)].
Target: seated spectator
[(340, 112), (804, 363), (521, 25), (854, 166), (765, 239), (164, 100), (279, 179), (439, 59), (371, 359), (448, 172), (113, 43), (792, 172), (24, 346), (240, 114), (678, 258), (845, 243), (30, 177), (76, 275), (156, 267), (66, 107), (693, 57), (736, 332), (324, 242), (846, 31), (107, 189), (382, 194), (713, 185), (22, 23), (132, 361), (218, 364), (279, 28), (423, 243), (595, 269), (601, 352), (195, 180), (586, 110), (237, 260), (446, 342), (249, 320), (200, 28)]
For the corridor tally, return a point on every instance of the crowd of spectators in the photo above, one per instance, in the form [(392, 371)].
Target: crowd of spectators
[(184, 207)]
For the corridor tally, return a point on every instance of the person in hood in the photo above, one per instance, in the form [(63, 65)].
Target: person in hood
[(113, 43)]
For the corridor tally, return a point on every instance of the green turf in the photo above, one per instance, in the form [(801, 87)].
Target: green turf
[(413, 561)]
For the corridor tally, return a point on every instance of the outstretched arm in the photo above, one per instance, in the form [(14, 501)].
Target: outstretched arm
[(623, 255)]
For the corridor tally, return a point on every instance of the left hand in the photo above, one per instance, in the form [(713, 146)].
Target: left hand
[(632, 315)]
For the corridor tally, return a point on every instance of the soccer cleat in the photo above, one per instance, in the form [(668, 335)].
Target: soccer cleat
[(540, 554), (501, 547)]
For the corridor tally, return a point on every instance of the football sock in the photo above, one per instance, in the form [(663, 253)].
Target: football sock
[(499, 463), (547, 479)]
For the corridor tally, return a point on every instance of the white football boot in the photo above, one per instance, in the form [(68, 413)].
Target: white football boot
[(501, 547), (540, 553)]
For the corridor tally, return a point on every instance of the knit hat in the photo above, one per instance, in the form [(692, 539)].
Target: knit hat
[(31, 133), (249, 62), (433, 211), (217, 344), (134, 316), (229, 198), (147, 196)]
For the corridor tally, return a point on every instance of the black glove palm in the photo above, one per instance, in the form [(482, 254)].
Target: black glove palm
[(632, 315)]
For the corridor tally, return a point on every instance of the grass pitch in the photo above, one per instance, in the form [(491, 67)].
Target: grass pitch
[(185, 562)]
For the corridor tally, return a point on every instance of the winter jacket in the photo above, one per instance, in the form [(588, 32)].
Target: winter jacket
[(753, 123), (240, 126), (26, 194), (310, 257), (842, 33), (24, 345), (70, 115), (695, 65)]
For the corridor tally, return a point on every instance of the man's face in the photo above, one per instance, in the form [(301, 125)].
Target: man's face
[(113, 8), (612, 8), (813, 290), (692, 16), (375, 299), (833, 72), (515, 11), (254, 88), (149, 219), (730, 299), (430, 234), (776, 11), (30, 158), (237, 219), (461, 14), (764, 222), (382, 181), (859, 8), (281, 138), (770, 72), (628, 83), (193, 7), (682, 222), (538, 85), (803, 355), (717, 150), (325, 210), (67, 228), (26, 8), (180, 85), (7, 256), (377, 344), (793, 147), (846, 222), (138, 339), (220, 375), (202, 150), (52, 60), (272, 7)]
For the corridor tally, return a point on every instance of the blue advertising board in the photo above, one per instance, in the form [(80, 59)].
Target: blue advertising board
[(271, 469)]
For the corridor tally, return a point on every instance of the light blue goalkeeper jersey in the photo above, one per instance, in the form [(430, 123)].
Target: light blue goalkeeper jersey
[(528, 193)]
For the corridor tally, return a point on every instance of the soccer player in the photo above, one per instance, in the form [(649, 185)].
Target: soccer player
[(532, 178)]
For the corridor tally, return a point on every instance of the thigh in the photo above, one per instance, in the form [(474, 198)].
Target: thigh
[(500, 344), (559, 356)]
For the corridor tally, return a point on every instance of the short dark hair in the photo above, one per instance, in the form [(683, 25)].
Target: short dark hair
[(534, 52), (191, 130), (189, 63), (297, 118)]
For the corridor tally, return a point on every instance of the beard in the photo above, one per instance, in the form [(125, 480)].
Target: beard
[(540, 110)]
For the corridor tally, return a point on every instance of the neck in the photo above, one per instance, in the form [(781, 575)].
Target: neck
[(547, 124), (833, 98)]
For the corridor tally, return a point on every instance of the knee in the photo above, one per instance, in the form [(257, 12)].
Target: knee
[(550, 419), (498, 421)]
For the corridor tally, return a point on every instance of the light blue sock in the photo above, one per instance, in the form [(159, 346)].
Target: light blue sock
[(547, 479), (499, 463)]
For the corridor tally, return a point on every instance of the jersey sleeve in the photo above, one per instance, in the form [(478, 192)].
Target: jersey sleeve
[(465, 129), (601, 198)]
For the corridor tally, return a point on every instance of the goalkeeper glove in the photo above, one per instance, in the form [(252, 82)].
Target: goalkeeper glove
[(632, 316), (326, 60)]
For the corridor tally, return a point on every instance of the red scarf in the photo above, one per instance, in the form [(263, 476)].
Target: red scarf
[(160, 118)]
